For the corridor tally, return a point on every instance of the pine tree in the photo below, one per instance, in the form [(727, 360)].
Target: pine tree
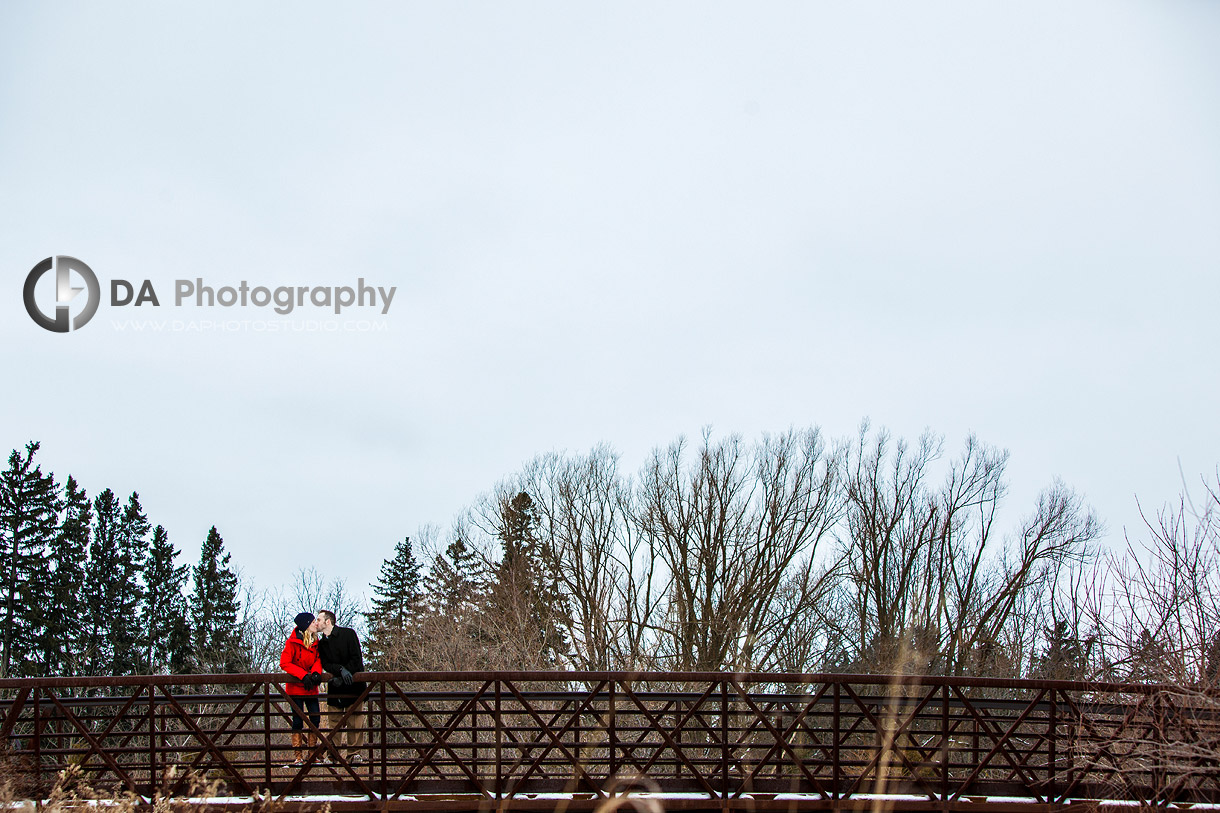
[(214, 609), (64, 610), (130, 633), (446, 632), (518, 530), (29, 513), (453, 582), (114, 591), (103, 585), (1065, 656), (396, 594), (526, 607), (396, 598), (167, 649)]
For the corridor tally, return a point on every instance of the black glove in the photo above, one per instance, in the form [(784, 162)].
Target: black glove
[(345, 677), (312, 679)]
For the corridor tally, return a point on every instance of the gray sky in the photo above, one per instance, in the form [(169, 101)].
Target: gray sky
[(606, 222)]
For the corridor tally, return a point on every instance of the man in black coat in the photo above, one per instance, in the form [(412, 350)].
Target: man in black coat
[(339, 651)]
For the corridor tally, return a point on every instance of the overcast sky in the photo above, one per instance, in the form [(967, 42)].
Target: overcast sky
[(605, 222)]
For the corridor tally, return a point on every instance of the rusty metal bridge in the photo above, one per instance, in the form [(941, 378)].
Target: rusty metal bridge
[(587, 740)]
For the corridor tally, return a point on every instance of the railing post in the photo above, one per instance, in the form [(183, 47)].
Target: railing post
[(944, 742), (152, 740), (267, 732), (499, 745), (613, 730), (1160, 772), (37, 738), (1053, 794), (679, 752), (974, 743), (384, 750), (724, 742), (834, 734)]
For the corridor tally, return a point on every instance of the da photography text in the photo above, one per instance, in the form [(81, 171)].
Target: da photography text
[(63, 310), (282, 299)]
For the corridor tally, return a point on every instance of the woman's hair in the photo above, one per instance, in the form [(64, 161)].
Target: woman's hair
[(308, 636)]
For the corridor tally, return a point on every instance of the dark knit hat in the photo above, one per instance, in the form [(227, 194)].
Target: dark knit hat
[(303, 620)]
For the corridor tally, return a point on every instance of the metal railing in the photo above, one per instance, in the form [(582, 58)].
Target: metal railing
[(499, 737)]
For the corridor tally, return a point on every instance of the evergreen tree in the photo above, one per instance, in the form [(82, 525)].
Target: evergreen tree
[(396, 598), (1065, 657), (29, 512), (167, 648), (396, 594), (114, 591), (453, 583), (518, 530), (64, 609), (103, 586), (526, 607), (130, 633), (446, 632), (214, 609)]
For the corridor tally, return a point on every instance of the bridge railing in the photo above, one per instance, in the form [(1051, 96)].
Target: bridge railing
[(508, 735)]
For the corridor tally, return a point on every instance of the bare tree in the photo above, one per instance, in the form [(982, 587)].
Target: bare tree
[(1154, 613), (1159, 616), (931, 584), (311, 591), (260, 629), (585, 510), (267, 614), (1056, 631), (713, 558), (728, 528), (1052, 544), (796, 637), (893, 569), (1163, 747)]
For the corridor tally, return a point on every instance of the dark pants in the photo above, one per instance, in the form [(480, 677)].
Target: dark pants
[(310, 704)]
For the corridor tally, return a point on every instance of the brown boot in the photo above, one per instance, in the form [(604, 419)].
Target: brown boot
[(313, 748), (298, 756)]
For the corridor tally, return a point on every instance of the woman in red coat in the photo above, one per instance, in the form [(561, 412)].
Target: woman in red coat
[(300, 660)]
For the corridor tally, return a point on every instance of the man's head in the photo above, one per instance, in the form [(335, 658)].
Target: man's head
[(326, 621)]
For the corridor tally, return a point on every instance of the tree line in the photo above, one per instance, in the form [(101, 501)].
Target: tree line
[(800, 553), (792, 553), (90, 587)]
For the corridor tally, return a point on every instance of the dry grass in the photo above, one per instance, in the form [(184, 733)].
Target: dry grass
[(71, 793)]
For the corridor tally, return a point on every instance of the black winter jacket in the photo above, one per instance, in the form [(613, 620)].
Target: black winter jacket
[(338, 650)]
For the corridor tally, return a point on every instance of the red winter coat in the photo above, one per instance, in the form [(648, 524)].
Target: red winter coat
[(298, 661)]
